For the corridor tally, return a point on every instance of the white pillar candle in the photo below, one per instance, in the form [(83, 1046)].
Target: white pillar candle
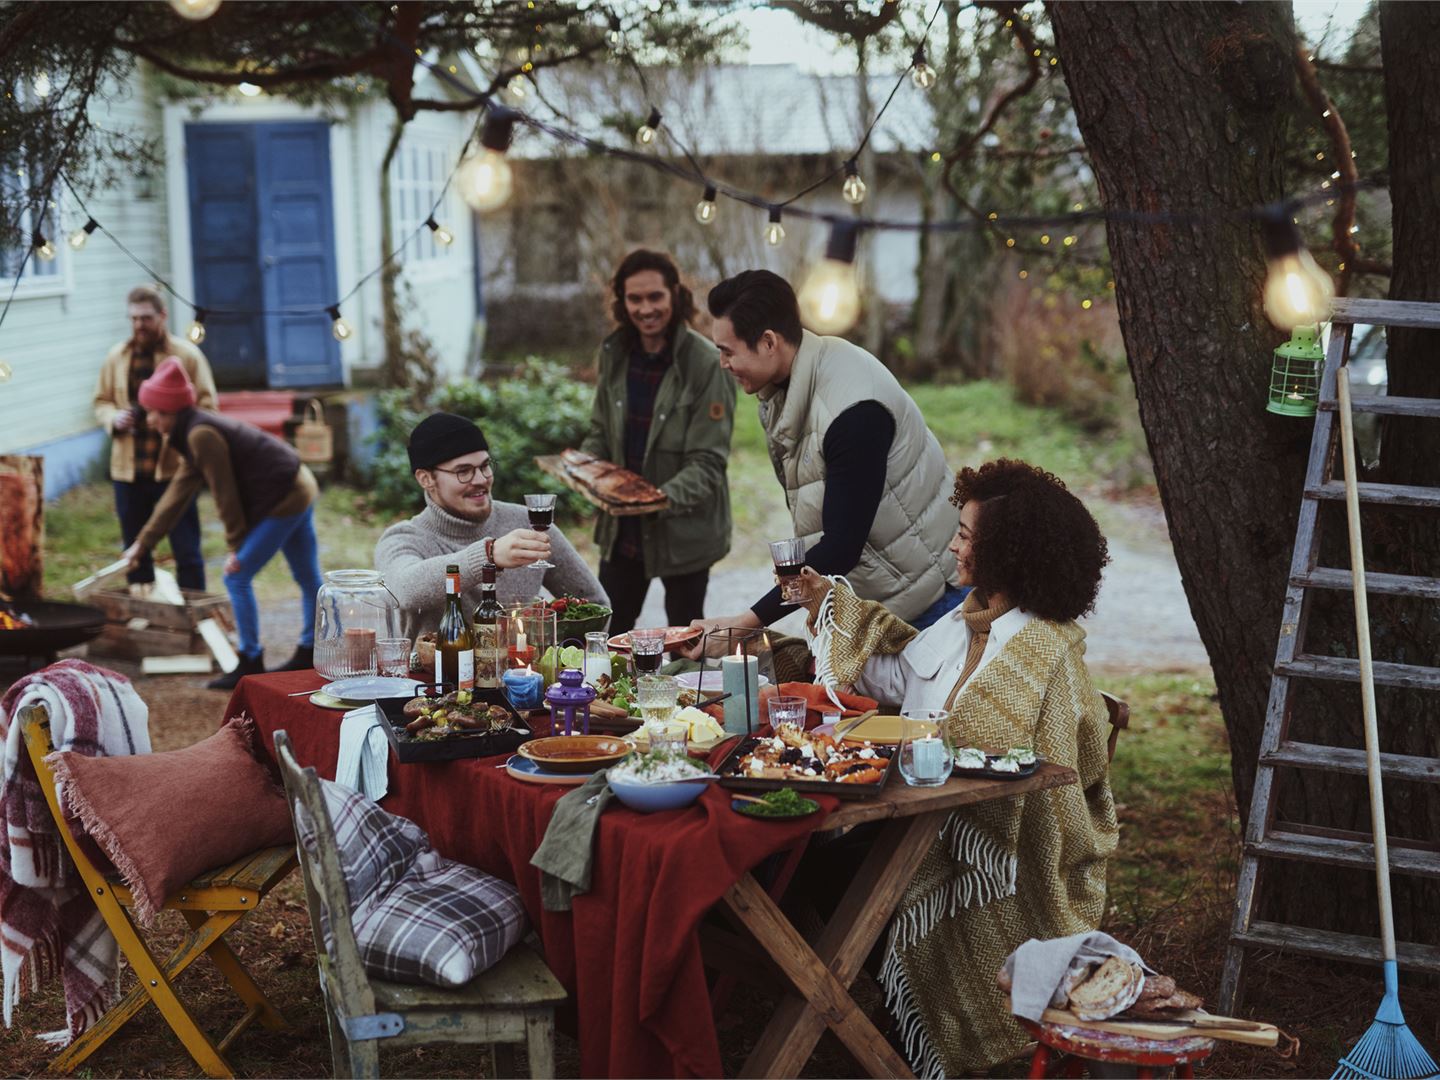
[(740, 677), (929, 758)]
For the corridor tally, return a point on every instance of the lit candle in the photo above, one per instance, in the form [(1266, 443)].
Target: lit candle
[(520, 640), (524, 688), (740, 678)]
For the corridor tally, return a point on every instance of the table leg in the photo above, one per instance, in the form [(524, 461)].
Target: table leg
[(822, 975)]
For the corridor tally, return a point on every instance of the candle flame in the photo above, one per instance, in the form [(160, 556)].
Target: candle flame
[(737, 650)]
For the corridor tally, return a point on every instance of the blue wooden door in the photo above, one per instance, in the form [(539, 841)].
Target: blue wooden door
[(220, 164), (297, 251)]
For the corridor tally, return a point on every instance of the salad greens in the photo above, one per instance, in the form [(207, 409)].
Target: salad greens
[(782, 803)]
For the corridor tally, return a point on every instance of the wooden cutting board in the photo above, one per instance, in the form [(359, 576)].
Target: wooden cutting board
[(554, 466), (1185, 1025)]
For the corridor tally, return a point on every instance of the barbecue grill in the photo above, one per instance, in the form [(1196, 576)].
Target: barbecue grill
[(56, 626)]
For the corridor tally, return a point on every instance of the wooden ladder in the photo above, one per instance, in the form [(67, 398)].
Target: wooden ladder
[(1264, 837)]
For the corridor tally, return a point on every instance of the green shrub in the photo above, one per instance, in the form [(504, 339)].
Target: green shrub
[(539, 410)]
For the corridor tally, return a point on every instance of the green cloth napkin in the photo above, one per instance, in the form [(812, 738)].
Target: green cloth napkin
[(565, 855)]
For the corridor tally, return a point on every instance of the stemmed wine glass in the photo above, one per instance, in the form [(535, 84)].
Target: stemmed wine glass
[(542, 515)]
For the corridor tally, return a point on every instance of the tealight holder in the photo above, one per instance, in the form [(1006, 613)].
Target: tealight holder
[(568, 697), (525, 632), (745, 670)]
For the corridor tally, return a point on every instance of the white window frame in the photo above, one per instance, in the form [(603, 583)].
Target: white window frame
[(417, 174), (57, 280)]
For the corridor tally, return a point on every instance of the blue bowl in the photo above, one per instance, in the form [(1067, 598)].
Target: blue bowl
[(648, 798)]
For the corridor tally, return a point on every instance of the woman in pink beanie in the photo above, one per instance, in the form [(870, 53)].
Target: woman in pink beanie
[(265, 498)]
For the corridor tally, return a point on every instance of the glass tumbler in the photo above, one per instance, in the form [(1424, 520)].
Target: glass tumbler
[(925, 757), (787, 710)]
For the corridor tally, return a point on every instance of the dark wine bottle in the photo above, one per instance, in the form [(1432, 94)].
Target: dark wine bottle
[(489, 653)]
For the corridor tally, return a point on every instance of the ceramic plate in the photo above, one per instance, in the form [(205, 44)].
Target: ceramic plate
[(879, 730), (747, 808), (577, 754), (691, 681), (523, 768), (367, 688), (326, 701), (674, 635)]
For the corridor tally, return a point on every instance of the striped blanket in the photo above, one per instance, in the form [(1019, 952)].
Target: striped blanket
[(48, 924)]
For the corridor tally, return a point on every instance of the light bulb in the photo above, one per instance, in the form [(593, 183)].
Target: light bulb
[(485, 180), (645, 135), (44, 249), (338, 326), (196, 333), (516, 88), (853, 189), (705, 208), (774, 233), (6, 371), (830, 298), (1297, 291), (443, 236), (922, 75), (80, 236), (195, 9)]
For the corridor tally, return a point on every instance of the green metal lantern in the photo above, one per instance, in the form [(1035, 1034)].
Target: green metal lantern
[(1295, 374)]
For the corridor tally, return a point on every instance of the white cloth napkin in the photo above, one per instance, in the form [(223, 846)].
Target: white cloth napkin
[(1038, 969), (364, 763)]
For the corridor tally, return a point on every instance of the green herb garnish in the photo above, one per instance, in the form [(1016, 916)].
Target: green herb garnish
[(784, 802)]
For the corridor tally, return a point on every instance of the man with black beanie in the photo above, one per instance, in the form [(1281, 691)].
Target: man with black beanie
[(462, 524)]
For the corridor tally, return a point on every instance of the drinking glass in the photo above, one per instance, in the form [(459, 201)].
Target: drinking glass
[(542, 516), (925, 758), (393, 655), (647, 650), (787, 710), (597, 656), (657, 696), (789, 557)]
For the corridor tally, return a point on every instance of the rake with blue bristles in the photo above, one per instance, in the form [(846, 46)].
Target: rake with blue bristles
[(1388, 1050)]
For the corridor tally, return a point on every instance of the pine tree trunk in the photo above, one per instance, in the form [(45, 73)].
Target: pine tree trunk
[(1184, 112)]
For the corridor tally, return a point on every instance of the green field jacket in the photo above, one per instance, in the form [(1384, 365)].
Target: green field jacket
[(686, 454)]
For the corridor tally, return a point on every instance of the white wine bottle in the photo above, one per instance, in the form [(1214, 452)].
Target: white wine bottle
[(454, 643)]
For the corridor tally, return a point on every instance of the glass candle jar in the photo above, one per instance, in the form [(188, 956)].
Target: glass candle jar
[(527, 634), (352, 610)]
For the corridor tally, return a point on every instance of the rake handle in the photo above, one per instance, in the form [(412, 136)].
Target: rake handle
[(1367, 671)]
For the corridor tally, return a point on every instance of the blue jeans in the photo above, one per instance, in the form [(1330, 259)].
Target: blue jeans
[(294, 536), (948, 602), (134, 502)]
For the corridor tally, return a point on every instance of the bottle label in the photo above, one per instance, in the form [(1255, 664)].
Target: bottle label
[(467, 669), (452, 584)]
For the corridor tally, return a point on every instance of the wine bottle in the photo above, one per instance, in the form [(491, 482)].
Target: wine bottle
[(454, 643), (489, 653)]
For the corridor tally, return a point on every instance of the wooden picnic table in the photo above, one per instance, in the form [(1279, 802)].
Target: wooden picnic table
[(708, 854)]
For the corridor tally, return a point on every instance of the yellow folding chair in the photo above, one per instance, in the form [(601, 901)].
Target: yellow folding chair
[(212, 904)]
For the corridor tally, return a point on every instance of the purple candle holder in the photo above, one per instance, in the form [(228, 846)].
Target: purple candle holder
[(565, 698)]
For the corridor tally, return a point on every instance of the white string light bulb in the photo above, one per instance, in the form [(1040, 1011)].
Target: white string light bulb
[(854, 188), (774, 231), (44, 249), (78, 238), (341, 329), (645, 134), (830, 297), (484, 179), (443, 236), (196, 333), (195, 9), (1297, 291), (6, 371), (921, 73), (517, 87), (705, 209)]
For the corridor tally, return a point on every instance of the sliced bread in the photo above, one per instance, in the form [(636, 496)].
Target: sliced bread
[(1113, 988)]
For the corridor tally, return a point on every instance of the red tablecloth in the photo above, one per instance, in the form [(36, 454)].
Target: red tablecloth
[(629, 952)]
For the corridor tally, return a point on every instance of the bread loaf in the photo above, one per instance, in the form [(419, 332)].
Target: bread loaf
[(1113, 988)]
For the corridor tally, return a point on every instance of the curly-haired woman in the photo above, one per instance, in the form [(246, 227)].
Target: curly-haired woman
[(1008, 667)]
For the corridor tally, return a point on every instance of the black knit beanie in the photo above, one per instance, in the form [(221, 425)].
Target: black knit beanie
[(442, 437)]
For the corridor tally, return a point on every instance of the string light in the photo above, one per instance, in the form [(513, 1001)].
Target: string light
[(774, 231), (341, 329), (1297, 291), (77, 239), (195, 9), (517, 87), (705, 209), (645, 134), (443, 236), (830, 297), (6, 371), (44, 249), (196, 333), (484, 179), (921, 73), (854, 188)]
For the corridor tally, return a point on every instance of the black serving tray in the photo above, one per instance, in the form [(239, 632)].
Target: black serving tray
[(995, 774), (409, 749), (808, 787)]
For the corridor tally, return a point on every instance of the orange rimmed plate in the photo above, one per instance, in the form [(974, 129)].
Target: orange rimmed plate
[(574, 753), (885, 730), (674, 635)]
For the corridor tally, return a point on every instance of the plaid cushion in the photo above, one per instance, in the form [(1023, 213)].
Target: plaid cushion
[(419, 917)]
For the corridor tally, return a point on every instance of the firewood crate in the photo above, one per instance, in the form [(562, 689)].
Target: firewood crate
[(136, 627)]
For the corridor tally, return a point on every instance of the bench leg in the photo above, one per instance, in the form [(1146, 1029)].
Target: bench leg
[(239, 979), (540, 1043), (364, 1055), (504, 1055), (1039, 1061)]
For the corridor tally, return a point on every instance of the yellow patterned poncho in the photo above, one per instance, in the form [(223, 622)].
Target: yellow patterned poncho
[(1002, 872)]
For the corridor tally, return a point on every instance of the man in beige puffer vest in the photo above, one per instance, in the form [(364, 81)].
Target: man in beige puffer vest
[(865, 480)]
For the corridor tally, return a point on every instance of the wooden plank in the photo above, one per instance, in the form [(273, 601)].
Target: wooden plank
[(899, 799), (1329, 577), (1414, 313), (119, 606), (1334, 851), (218, 644), (1343, 669), (184, 664), (1351, 947), (552, 465), (1342, 760), (1389, 406), (1193, 1024), (116, 640), (1379, 494)]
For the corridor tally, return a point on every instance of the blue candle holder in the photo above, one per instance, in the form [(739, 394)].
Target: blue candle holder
[(524, 688)]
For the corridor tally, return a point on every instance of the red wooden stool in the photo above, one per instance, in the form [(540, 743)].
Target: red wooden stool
[(1063, 1051)]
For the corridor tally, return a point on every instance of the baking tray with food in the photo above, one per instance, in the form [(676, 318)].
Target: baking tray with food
[(449, 726), (1015, 763), (808, 762)]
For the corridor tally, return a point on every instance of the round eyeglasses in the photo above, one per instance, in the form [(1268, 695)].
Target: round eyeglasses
[(465, 473)]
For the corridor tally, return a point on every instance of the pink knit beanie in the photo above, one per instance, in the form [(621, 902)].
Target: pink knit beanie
[(169, 389)]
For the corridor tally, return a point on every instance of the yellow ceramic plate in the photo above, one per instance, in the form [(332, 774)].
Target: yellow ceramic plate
[(328, 701), (885, 730)]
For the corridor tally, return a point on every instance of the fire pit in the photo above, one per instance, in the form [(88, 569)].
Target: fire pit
[(52, 626)]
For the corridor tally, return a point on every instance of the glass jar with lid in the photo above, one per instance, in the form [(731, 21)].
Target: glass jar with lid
[(352, 610)]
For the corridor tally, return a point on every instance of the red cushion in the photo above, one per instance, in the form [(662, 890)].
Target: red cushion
[(163, 819)]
